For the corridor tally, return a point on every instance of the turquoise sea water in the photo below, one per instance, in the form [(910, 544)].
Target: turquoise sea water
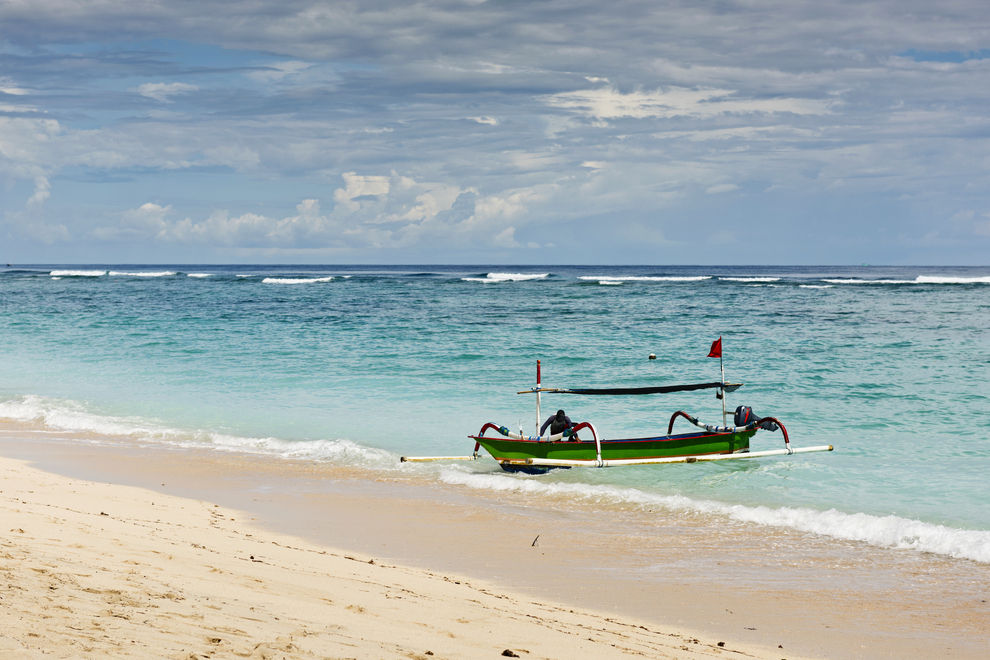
[(361, 364)]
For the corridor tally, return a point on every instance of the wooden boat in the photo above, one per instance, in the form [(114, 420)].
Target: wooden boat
[(583, 445)]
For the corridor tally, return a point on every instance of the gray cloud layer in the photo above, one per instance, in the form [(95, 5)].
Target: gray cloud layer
[(449, 131)]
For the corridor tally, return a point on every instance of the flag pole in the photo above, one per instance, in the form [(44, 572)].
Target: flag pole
[(716, 351)]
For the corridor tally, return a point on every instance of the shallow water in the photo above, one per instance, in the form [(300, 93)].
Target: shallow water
[(358, 365)]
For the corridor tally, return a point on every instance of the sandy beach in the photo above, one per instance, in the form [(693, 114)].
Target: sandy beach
[(128, 552), (101, 570)]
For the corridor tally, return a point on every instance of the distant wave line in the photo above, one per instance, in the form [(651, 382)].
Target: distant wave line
[(78, 273), (296, 280), (645, 278), (507, 277), (121, 273), (920, 279)]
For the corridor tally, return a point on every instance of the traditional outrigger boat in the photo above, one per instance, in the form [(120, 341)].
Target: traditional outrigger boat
[(538, 453)]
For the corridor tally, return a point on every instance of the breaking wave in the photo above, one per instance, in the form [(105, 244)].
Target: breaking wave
[(920, 279), (162, 273), (296, 280), (646, 278), (47, 415), (78, 273), (507, 277), (879, 531)]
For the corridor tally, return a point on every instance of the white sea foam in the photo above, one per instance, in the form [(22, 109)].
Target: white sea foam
[(507, 277), (296, 280), (937, 279), (646, 278), (880, 531), (816, 286), (199, 275), (161, 273), (609, 282), (78, 273), (749, 279), (343, 452), (70, 416), (67, 416), (920, 279), (860, 281)]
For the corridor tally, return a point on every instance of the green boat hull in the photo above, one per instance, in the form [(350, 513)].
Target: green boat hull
[(504, 450)]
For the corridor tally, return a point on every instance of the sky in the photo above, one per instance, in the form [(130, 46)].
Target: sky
[(498, 132)]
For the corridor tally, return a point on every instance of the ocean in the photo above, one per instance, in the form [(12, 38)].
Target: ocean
[(358, 365)]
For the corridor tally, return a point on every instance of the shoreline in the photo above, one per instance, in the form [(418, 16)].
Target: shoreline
[(668, 572)]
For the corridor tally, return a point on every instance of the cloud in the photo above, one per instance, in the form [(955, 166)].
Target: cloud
[(372, 211), (358, 188), (42, 190), (148, 221), (26, 155), (278, 71), (45, 232), (720, 188), (304, 229), (8, 86), (610, 103), (506, 238), (165, 91), (450, 123)]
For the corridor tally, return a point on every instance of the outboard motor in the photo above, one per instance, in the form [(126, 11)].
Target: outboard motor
[(745, 416)]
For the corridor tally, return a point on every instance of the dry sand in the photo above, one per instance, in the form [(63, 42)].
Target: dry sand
[(102, 570)]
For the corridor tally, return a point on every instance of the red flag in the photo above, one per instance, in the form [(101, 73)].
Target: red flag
[(716, 348)]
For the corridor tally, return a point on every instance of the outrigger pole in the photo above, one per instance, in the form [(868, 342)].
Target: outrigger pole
[(424, 459), (614, 462)]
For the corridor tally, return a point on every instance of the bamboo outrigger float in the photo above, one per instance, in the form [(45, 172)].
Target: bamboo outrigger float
[(516, 452)]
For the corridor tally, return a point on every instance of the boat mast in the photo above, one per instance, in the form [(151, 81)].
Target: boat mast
[(716, 351), (538, 397)]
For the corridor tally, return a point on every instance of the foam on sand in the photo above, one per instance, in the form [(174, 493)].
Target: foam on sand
[(880, 531), (46, 415)]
